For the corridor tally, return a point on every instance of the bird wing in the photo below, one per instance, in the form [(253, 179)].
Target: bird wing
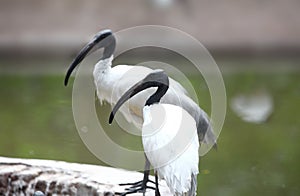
[(205, 132), (111, 86), (177, 86)]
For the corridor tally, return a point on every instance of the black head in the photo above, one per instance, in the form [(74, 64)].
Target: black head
[(157, 78), (104, 39)]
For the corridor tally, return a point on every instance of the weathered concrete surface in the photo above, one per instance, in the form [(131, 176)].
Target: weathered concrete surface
[(25, 176)]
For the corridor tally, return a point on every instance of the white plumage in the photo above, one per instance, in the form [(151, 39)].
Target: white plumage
[(177, 164), (113, 82)]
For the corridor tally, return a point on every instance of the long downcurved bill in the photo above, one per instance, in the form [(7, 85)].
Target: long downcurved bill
[(86, 50), (154, 79)]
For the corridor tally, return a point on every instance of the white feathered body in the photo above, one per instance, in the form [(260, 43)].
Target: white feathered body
[(112, 83), (171, 145)]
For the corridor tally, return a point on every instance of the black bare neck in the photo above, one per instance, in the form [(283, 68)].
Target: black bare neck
[(156, 97)]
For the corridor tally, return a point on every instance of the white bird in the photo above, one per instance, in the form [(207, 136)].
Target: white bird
[(171, 145), (112, 82)]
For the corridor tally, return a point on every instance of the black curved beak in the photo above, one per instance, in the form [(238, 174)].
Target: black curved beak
[(97, 42), (158, 78)]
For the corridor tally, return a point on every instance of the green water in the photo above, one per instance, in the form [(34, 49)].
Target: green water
[(252, 159)]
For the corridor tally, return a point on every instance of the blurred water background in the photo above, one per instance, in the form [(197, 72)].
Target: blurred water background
[(255, 43)]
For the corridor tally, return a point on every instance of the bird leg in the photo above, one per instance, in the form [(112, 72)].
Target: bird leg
[(156, 185), (139, 186)]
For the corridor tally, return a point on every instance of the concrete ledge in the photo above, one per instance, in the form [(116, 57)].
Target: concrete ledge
[(26, 176)]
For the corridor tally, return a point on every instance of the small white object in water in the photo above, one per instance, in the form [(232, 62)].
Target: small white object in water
[(255, 108)]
